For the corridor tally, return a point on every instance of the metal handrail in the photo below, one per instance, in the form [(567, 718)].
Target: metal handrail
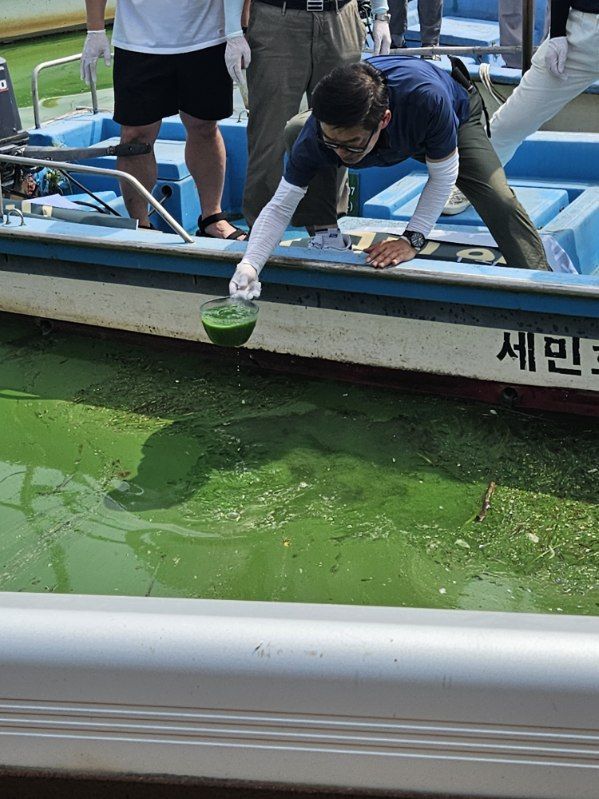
[(491, 49), (98, 170), (35, 85)]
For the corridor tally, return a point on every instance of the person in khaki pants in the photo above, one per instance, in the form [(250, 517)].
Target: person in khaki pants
[(293, 44)]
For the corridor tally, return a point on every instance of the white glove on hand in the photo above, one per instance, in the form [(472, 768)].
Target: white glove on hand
[(245, 283), (96, 46), (381, 37), (555, 57), (237, 57)]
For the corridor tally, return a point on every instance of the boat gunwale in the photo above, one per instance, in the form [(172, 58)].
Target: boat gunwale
[(545, 282)]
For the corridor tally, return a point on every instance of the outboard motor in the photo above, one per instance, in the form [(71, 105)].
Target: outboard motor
[(12, 136)]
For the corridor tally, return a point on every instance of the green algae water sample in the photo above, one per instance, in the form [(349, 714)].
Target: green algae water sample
[(228, 322), (127, 470)]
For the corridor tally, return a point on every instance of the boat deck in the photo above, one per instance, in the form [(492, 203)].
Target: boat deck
[(561, 195)]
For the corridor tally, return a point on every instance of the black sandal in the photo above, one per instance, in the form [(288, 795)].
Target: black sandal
[(210, 220)]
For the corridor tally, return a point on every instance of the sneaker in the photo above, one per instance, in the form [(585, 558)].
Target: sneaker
[(456, 203), (330, 239)]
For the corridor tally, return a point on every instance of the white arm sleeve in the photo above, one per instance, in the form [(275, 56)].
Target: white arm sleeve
[(442, 176), (271, 224), (233, 9)]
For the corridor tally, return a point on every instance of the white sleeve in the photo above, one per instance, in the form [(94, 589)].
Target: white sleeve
[(271, 223), (233, 9), (380, 7), (442, 176)]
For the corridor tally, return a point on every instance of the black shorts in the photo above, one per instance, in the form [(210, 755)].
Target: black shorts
[(148, 88)]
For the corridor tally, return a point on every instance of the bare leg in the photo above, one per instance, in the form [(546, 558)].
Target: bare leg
[(206, 160), (142, 167)]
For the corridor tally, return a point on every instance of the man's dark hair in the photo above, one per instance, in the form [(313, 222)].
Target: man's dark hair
[(351, 96)]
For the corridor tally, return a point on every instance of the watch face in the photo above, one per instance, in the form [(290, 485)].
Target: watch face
[(416, 240)]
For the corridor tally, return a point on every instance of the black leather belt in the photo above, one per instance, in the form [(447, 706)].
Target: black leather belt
[(307, 5)]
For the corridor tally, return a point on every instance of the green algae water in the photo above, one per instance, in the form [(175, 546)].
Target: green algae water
[(129, 470), (229, 323)]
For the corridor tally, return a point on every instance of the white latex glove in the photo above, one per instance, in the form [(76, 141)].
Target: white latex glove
[(381, 37), (555, 57), (245, 283), (96, 46), (237, 57)]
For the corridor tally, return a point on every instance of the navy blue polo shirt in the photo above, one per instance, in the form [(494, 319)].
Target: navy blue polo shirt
[(427, 106)]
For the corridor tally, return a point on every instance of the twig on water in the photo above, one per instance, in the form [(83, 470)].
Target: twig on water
[(486, 501)]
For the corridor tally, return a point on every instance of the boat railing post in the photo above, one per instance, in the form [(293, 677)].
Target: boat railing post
[(116, 173), (35, 77), (527, 33), (94, 93)]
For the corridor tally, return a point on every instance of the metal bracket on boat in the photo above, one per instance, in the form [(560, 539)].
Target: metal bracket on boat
[(13, 212), (35, 97), (127, 150), (115, 173)]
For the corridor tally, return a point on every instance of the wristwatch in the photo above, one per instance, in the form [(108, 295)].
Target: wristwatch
[(383, 17), (414, 239)]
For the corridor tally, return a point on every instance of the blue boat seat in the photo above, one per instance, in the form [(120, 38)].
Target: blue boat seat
[(574, 188), (175, 186), (399, 201), (576, 230)]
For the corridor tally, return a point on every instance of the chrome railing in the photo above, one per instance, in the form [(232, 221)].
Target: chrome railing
[(35, 97), (97, 170), (450, 49)]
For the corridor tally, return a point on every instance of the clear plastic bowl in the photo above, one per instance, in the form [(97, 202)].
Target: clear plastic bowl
[(229, 321)]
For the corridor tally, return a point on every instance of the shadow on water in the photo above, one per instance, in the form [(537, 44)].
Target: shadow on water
[(210, 416)]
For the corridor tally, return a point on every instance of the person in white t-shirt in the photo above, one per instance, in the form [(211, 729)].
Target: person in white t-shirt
[(170, 58)]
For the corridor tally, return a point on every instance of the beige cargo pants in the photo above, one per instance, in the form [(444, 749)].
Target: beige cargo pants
[(291, 51)]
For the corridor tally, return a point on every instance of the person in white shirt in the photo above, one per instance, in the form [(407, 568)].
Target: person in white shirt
[(564, 66), (170, 58)]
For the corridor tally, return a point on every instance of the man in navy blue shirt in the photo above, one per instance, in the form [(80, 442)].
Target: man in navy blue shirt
[(377, 113)]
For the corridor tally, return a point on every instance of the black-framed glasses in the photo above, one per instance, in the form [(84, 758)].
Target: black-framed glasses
[(336, 145)]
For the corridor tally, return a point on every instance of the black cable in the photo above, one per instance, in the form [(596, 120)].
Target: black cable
[(90, 205), (69, 177), (365, 11)]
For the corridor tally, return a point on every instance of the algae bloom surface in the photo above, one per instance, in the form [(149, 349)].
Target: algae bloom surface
[(129, 470)]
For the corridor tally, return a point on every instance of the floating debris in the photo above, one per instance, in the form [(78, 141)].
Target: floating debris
[(486, 501)]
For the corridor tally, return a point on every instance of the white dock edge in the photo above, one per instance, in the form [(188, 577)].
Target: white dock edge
[(462, 703)]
